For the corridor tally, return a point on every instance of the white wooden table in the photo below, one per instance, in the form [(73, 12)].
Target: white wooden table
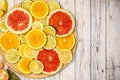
[(98, 51)]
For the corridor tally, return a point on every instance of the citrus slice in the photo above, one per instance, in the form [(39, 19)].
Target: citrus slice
[(50, 60), (3, 27), (53, 5), (3, 75), (43, 21), (51, 43), (21, 50), (12, 56), (63, 22), (49, 30), (9, 40), (29, 52), (36, 39), (18, 20), (65, 56), (39, 9), (23, 37), (37, 25), (26, 4), (67, 42), (1, 64), (36, 67), (23, 65)]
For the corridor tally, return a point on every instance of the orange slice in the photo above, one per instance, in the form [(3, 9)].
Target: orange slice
[(36, 39), (65, 42), (1, 64), (9, 40), (3, 75), (23, 65), (39, 9)]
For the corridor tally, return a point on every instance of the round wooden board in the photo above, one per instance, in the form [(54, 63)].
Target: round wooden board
[(14, 67)]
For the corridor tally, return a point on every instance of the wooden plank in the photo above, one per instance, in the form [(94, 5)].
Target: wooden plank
[(83, 49), (98, 56), (113, 39), (69, 72)]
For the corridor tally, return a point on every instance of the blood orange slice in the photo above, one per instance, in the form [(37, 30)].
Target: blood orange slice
[(50, 60), (18, 20), (63, 21)]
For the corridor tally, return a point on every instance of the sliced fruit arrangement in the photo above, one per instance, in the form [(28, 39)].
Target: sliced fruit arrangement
[(3, 7), (38, 36)]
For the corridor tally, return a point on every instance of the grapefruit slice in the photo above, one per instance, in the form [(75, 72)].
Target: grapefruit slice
[(63, 21), (18, 20), (50, 60)]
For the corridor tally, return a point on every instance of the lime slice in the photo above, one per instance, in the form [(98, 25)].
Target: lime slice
[(3, 27), (23, 37), (29, 52), (65, 56), (21, 49), (26, 4), (49, 30), (36, 67), (51, 43), (53, 5), (38, 25), (12, 56)]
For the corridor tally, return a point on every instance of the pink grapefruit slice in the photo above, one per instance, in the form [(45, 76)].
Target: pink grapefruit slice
[(50, 60), (63, 21), (18, 20)]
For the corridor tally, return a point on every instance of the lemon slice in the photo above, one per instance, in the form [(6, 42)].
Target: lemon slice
[(23, 37), (30, 53), (65, 56), (36, 67), (49, 30), (37, 25), (3, 27), (51, 43), (21, 49), (53, 5), (12, 56), (26, 4)]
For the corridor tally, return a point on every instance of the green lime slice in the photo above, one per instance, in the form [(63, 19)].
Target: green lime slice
[(3, 27), (12, 56), (37, 25), (26, 4), (53, 5), (36, 66), (51, 43), (49, 30), (23, 37)]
